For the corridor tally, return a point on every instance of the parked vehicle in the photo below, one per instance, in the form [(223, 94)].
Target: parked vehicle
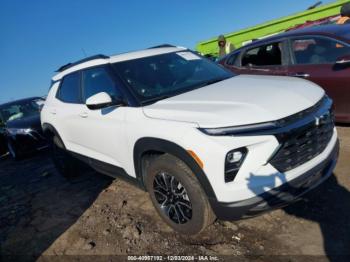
[(319, 54), (203, 142), (22, 127), (323, 21)]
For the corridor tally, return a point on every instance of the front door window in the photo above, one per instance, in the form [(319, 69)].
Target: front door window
[(266, 55)]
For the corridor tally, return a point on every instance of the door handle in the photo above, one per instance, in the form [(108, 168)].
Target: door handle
[(303, 75), (84, 115)]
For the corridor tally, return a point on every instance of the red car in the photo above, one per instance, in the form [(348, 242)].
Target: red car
[(320, 54)]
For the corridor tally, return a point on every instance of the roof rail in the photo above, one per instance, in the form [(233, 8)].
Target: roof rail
[(160, 46), (69, 65)]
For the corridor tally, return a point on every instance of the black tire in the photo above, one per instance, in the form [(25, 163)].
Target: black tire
[(186, 208), (66, 165), (14, 151)]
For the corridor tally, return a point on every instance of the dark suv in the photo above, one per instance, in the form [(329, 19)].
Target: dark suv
[(320, 54)]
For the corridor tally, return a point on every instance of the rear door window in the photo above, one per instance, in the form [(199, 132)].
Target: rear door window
[(265, 55), (69, 91), (318, 50)]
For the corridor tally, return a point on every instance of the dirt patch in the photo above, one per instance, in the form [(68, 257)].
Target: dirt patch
[(44, 214)]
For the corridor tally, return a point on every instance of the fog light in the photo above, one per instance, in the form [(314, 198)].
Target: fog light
[(234, 157), (233, 163)]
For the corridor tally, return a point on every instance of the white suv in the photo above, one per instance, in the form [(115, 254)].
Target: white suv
[(203, 142)]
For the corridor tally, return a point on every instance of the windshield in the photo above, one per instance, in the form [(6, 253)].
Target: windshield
[(20, 110), (157, 77)]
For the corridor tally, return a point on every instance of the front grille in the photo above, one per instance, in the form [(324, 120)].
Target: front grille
[(300, 145)]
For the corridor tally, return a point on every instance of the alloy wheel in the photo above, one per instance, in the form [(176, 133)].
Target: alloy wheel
[(172, 197)]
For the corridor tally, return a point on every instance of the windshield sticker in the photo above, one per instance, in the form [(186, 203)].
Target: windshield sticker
[(188, 56)]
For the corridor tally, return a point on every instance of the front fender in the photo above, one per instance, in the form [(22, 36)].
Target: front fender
[(148, 144)]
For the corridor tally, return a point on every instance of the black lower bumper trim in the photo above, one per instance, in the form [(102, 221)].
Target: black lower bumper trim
[(280, 196)]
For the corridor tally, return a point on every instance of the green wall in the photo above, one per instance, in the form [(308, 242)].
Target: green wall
[(272, 27)]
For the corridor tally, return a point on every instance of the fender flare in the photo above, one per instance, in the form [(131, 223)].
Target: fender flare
[(143, 145)]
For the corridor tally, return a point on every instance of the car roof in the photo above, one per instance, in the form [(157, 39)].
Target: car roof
[(338, 31), (19, 101), (102, 59)]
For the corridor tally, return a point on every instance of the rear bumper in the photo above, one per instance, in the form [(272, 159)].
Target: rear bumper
[(280, 196), (342, 118)]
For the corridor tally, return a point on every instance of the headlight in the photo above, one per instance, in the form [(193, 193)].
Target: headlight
[(19, 131), (225, 131)]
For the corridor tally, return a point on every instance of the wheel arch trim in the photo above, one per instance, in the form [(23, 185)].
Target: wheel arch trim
[(50, 128), (147, 144)]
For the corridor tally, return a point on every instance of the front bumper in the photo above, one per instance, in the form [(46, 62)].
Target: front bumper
[(281, 196), (27, 143)]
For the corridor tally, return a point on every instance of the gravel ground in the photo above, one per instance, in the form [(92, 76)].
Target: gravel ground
[(43, 214)]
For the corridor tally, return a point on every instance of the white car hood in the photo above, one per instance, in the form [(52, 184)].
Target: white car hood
[(240, 100)]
